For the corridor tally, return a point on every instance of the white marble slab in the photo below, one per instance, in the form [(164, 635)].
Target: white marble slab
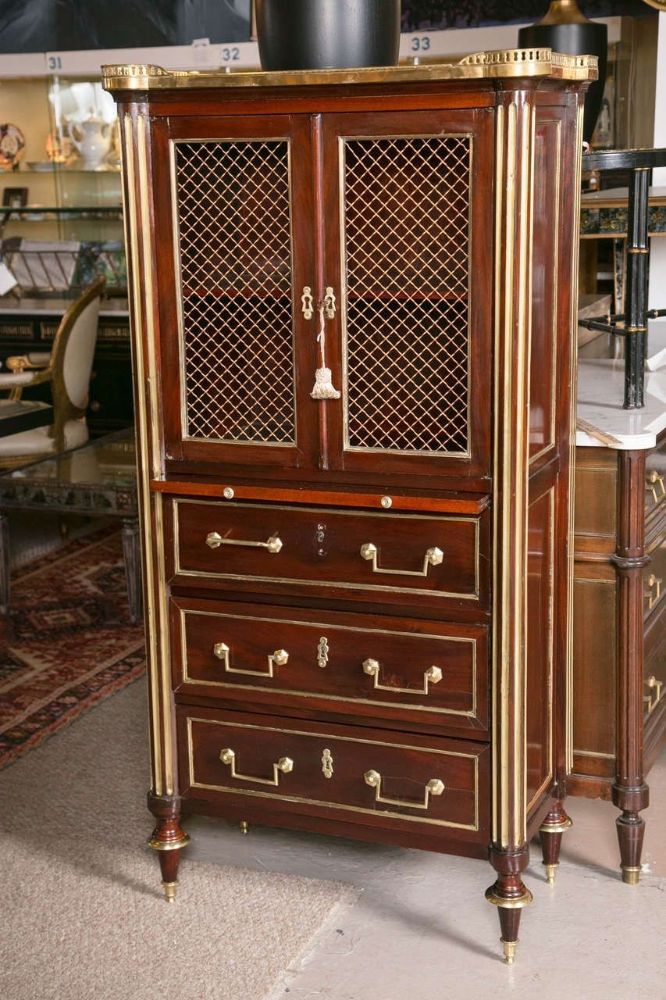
[(600, 395)]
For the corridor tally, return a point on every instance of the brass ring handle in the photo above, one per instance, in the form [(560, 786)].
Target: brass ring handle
[(653, 595), (433, 787), (652, 700), (284, 766), (432, 675), (276, 659), (433, 557), (652, 479), (214, 540)]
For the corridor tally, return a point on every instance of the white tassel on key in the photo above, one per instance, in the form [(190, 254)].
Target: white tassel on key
[(323, 387)]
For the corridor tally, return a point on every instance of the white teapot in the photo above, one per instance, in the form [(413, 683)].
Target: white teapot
[(92, 139)]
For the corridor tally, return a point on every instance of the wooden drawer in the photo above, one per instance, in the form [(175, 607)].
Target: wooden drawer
[(654, 578), (654, 670), (343, 772), (323, 551), (655, 483), (436, 673)]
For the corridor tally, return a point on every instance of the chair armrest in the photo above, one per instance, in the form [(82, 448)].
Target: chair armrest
[(22, 362)]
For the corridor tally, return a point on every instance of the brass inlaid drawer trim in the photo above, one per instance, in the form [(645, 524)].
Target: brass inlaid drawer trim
[(469, 713), (340, 584), (323, 802)]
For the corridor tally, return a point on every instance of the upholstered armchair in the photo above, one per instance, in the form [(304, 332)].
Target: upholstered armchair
[(67, 368)]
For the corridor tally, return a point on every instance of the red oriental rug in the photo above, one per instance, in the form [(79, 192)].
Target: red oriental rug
[(68, 643)]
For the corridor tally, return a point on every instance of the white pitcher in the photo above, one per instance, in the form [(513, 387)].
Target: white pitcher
[(92, 139)]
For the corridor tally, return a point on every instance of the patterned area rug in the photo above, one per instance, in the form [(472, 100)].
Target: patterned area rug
[(68, 642)]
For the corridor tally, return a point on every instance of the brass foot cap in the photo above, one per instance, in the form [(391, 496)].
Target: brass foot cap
[(170, 891), (631, 876), (509, 948), (550, 871), (244, 826)]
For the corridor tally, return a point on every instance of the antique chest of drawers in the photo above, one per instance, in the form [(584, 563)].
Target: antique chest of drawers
[(619, 708), (352, 301)]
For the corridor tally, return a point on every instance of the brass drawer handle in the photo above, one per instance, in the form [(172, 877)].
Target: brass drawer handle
[(653, 595), (285, 765), (433, 787), (432, 675), (433, 557), (652, 700), (276, 659), (655, 483), (214, 540)]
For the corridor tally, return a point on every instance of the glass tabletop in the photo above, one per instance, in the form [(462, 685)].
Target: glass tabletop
[(107, 461)]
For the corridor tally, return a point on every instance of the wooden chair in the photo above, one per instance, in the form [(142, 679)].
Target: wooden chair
[(67, 368)]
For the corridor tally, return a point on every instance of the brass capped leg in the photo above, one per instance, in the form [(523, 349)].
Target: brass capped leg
[(244, 826), (550, 871), (170, 891), (631, 876), (509, 948)]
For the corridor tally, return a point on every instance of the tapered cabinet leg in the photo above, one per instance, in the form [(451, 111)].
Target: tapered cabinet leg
[(630, 830), (554, 825), (168, 839), (509, 895)]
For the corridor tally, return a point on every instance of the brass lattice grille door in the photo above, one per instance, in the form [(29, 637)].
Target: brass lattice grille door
[(235, 220), (411, 325)]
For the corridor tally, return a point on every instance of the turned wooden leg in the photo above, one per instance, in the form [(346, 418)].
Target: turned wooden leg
[(167, 839), (509, 895), (132, 556), (630, 827), (630, 793), (5, 565), (554, 825)]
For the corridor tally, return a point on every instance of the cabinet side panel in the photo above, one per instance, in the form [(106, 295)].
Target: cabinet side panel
[(545, 283), (540, 623), (595, 657)]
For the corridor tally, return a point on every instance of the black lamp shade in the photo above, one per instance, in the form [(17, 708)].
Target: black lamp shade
[(327, 34), (575, 39)]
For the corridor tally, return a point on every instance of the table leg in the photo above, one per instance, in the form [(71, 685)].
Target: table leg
[(132, 555), (5, 568)]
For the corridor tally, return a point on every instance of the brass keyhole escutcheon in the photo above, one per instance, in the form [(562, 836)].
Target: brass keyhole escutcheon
[(327, 764)]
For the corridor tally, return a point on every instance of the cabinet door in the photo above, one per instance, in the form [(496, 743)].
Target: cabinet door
[(409, 253), (234, 231)]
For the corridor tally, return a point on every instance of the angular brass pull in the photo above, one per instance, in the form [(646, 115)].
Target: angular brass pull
[(433, 557), (329, 303), (284, 766), (432, 675), (653, 699), (655, 483), (307, 303), (214, 540), (653, 595), (433, 787), (276, 659)]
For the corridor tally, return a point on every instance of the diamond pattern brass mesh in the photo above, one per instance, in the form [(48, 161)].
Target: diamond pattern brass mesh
[(407, 203), (235, 260)]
